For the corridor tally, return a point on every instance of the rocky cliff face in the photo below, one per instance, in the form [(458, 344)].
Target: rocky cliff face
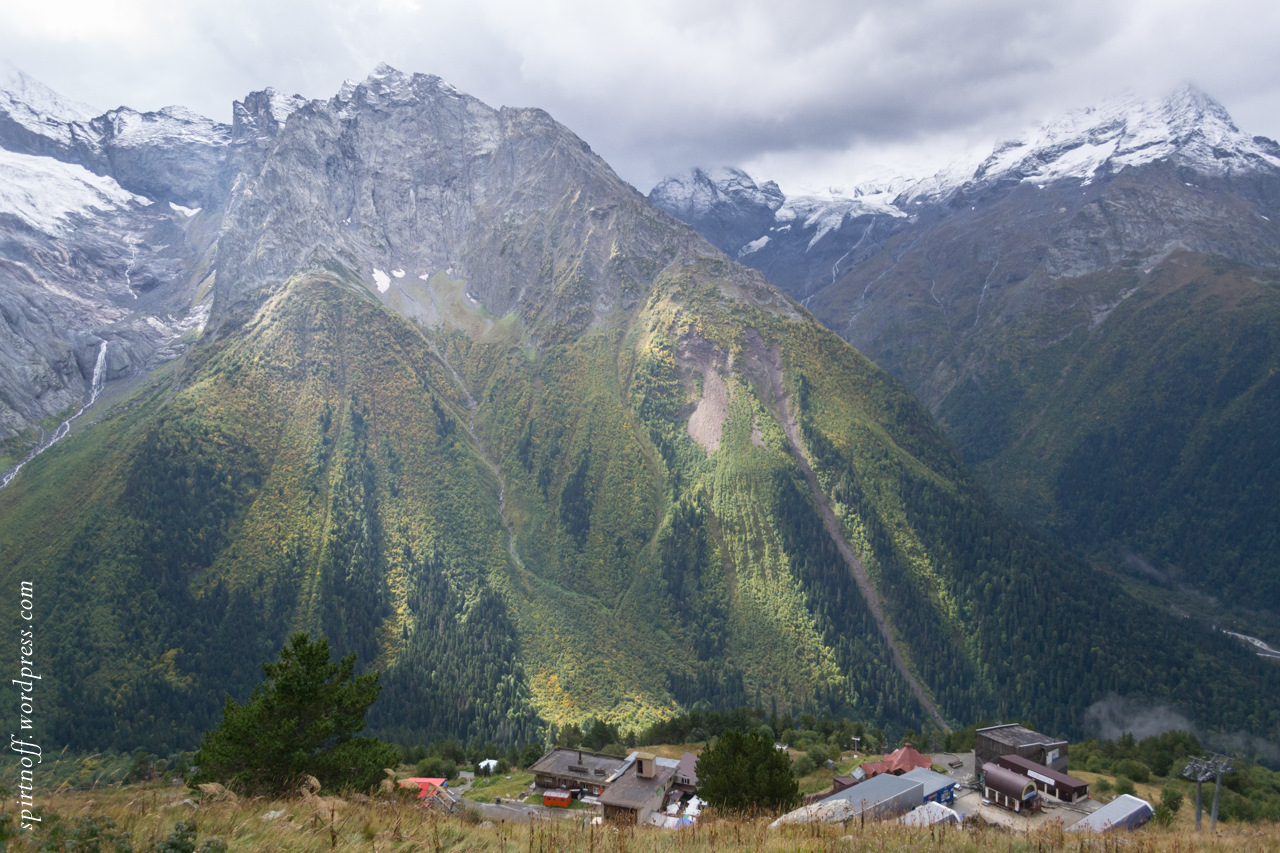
[(420, 179)]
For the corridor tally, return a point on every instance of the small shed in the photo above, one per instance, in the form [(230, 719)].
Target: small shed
[(558, 798), (1050, 781), (1011, 790), (937, 788), (1124, 812), (838, 784)]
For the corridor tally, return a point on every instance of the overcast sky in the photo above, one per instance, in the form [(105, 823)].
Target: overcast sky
[(811, 93)]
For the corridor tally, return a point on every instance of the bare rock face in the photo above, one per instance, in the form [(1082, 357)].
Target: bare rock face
[(405, 173), (146, 227)]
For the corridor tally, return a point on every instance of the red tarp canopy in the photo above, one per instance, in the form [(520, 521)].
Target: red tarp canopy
[(428, 786)]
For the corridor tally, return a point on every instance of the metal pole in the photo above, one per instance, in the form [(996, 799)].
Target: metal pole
[(1217, 788), (1198, 786)]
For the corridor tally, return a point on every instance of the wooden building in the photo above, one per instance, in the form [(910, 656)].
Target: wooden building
[(1011, 790), (576, 768), (1050, 781), (686, 776), (1011, 738), (638, 791)]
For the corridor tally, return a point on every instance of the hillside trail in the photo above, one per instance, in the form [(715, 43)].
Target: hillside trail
[(856, 567), (472, 405)]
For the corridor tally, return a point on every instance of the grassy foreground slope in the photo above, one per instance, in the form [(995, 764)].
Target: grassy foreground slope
[(76, 820)]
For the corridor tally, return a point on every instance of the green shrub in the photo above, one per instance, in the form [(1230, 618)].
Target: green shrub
[(1135, 770), (1124, 785)]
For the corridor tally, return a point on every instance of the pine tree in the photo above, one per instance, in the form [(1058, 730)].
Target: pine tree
[(300, 721), (743, 772)]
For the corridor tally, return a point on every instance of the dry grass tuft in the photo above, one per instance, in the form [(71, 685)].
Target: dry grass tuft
[(388, 823)]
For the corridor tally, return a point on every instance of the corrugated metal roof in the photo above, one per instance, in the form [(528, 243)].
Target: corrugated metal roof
[(1124, 812), (848, 804), (933, 782), (1027, 767), (877, 790)]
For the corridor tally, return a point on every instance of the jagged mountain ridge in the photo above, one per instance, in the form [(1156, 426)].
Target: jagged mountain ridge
[(469, 406), (1186, 129), (1007, 282)]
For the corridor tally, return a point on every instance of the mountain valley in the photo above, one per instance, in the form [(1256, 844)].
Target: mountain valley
[(1089, 313), (428, 378)]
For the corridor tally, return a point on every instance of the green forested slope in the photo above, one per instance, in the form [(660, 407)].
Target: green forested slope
[(1151, 439), (318, 468)]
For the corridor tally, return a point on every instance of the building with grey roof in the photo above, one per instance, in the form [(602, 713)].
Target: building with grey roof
[(878, 798), (640, 790), (995, 741), (937, 788), (575, 768)]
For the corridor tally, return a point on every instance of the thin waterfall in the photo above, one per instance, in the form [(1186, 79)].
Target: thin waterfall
[(95, 390)]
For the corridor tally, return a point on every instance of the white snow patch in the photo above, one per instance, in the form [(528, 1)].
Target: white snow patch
[(754, 246), (398, 273), (171, 124), (44, 192), (828, 211), (426, 276), (382, 280), (185, 211)]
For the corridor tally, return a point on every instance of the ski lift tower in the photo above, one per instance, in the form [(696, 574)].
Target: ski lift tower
[(1201, 770)]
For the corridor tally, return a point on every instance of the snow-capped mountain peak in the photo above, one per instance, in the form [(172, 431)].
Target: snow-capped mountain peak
[(37, 108), (39, 98), (701, 190), (1186, 126)]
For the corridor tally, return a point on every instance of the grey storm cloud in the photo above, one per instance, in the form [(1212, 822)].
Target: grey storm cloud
[(803, 88)]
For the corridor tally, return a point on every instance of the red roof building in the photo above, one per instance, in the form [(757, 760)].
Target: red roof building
[(898, 762)]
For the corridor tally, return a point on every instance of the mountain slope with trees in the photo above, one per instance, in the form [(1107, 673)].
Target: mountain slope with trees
[(469, 407)]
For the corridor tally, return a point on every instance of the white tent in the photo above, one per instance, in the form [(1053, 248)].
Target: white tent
[(929, 814)]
